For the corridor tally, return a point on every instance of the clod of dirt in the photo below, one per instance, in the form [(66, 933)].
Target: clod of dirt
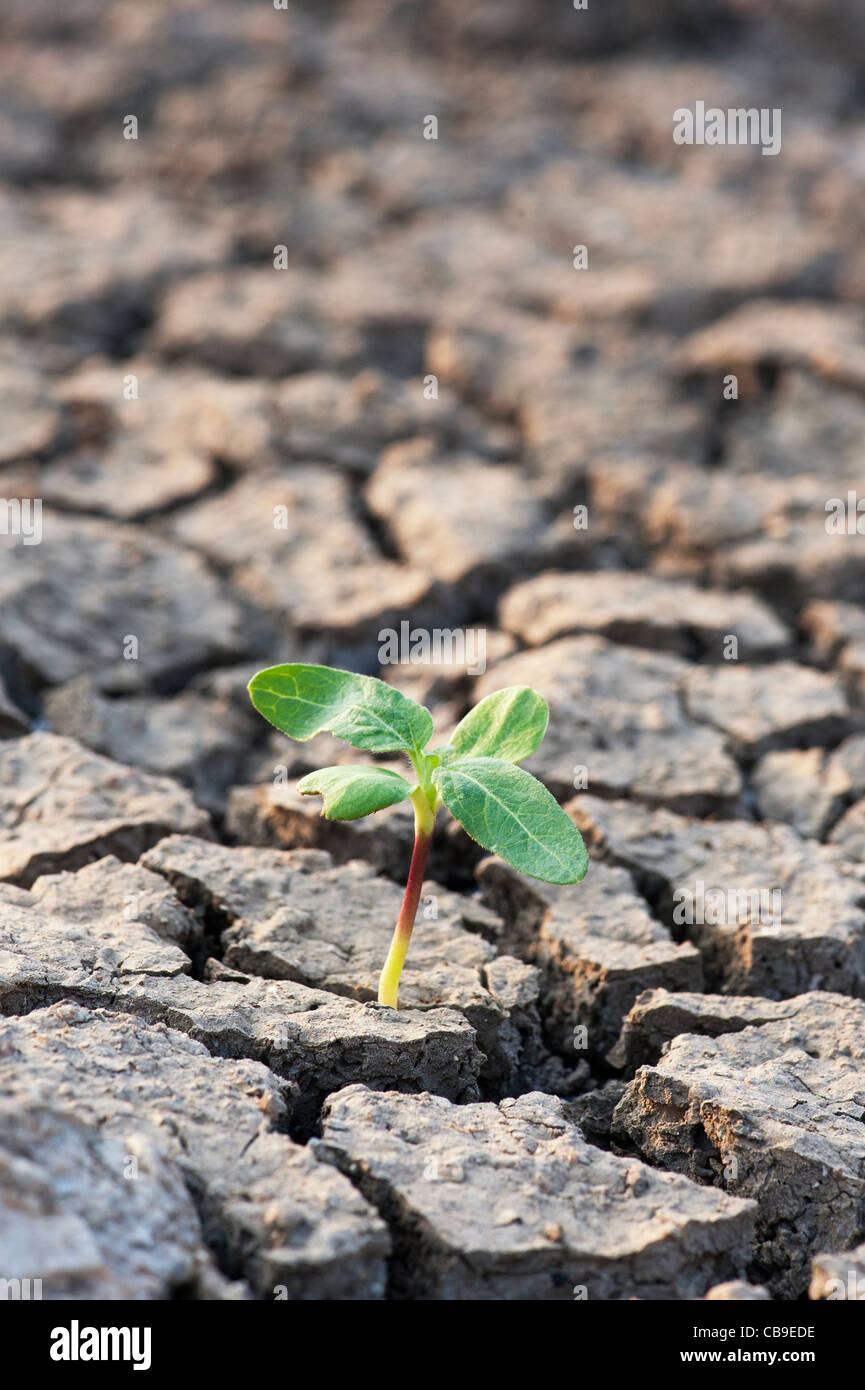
[(268, 1212), (120, 248), (596, 946), (483, 527), (198, 740), (765, 707), (825, 338), (658, 1016), (297, 916), (616, 719), (510, 1202), (318, 1040), (62, 806), (771, 913), (774, 1112), (295, 544), (276, 814), (803, 787), (643, 610), (70, 1220), (72, 605)]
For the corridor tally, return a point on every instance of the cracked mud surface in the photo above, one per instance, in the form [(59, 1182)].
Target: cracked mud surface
[(650, 1085)]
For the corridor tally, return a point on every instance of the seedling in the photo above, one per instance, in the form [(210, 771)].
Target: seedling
[(476, 777)]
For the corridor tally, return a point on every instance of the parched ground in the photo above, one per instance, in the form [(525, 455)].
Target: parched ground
[(297, 345)]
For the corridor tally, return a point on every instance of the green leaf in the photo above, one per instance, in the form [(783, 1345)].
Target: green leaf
[(352, 792), (511, 814), (302, 701), (508, 724)]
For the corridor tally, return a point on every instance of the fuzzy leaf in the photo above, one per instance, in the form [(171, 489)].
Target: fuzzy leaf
[(302, 701), (351, 792), (508, 724), (511, 814)]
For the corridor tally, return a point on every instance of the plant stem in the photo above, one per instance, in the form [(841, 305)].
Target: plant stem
[(424, 820)]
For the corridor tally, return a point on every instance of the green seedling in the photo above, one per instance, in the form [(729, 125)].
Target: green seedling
[(476, 777)]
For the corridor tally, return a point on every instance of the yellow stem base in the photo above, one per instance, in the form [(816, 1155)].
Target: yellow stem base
[(388, 984), (424, 819)]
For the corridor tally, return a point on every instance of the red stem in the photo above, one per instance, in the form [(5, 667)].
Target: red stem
[(408, 911)]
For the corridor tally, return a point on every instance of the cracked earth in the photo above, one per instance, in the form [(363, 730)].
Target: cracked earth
[(649, 1085)]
